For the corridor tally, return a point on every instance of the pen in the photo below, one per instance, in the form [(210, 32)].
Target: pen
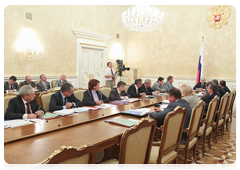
[(39, 108)]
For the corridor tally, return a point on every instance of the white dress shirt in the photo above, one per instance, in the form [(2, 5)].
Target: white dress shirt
[(108, 72)]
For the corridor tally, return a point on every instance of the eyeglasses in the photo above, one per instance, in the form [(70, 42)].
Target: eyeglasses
[(71, 92)]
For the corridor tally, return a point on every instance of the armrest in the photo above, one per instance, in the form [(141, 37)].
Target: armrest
[(156, 143), (186, 130), (204, 120), (158, 130)]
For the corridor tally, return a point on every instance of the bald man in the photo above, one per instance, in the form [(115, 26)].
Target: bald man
[(62, 80), (28, 81)]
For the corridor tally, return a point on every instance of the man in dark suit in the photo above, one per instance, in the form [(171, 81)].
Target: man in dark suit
[(200, 85), (64, 99), (223, 85), (24, 106), (174, 97), (133, 90), (212, 92), (118, 92), (146, 88), (11, 85), (219, 89), (28, 81), (43, 85)]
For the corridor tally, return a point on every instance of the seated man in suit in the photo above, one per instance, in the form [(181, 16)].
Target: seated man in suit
[(28, 81), (174, 97), (219, 89), (24, 106), (64, 99), (43, 85), (11, 85), (223, 85), (168, 84), (212, 92), (200, 85), (133, 90), (159, 85), (62, 80), (93, 95), (146, 88), (118, 92)]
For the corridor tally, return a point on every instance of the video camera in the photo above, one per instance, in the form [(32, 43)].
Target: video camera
[(121, 67)]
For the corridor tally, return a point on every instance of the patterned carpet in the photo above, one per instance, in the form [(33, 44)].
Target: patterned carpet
[(222, 152)]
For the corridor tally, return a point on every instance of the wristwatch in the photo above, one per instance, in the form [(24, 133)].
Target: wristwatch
[(72, 105)]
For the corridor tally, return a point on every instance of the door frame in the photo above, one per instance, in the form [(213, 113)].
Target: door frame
[(90, 40)]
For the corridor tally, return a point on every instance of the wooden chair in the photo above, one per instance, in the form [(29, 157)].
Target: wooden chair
[(36, 82), (105, 90), (206, 129), (20, 84), (192, 130), (229, 105), (126, 88), (71, 155), (45, 99), (78, 93), (221, 114), (53, 82), (7, 97), (136, 143), (166, 150)]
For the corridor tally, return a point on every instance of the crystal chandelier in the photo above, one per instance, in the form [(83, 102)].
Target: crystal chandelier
[(142, 19)]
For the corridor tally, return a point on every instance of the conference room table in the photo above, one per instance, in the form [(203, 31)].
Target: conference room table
[(33, 143)]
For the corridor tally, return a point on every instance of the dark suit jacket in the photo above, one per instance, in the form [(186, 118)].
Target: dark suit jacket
[(115, 96), (226, 89), (16, 108), (220, 91), (208, 98), (6, 86), (56, 101), (143, 89), (132, 91), (182, 103), (88, 98), (41, 87), (199, 85), (25, 83)]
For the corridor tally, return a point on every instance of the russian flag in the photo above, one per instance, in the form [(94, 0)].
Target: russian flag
[(200, 66)]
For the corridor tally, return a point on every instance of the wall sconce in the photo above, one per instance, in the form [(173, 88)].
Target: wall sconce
[(29, 46), (117, 52)]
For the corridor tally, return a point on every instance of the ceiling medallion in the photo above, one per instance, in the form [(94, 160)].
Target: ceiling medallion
[(217, 16)]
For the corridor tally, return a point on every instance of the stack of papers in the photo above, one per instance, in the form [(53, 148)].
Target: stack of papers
[(92, 108), (104, 106), (15, 123), (130, 100), (66, 112), (163, 106)]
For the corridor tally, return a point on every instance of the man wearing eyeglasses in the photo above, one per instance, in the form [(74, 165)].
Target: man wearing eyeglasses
[(64, 99), (24, 106)]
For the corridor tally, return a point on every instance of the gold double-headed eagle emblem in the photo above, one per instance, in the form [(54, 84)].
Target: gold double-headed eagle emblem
[(217, 16)]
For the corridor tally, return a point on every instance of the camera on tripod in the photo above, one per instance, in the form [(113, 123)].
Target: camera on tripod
[(121, 67)]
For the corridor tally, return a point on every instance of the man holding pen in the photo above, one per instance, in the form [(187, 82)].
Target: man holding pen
[(24, 106)]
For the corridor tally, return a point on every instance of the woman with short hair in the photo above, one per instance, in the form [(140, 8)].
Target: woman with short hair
[(93, 95), (189, 95)]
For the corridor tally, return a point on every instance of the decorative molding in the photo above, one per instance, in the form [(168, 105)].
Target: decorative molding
[(37, 77)]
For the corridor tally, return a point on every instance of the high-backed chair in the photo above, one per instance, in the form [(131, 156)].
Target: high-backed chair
[(221, 114), (7, 97), (229, 108), (192, 130), (20, 84), (36, 82), (53, 82), (71, 155), (206, 129), (105, 90), (79, 93), (166, 151), (136, 143), (126, 88), (45, 99)]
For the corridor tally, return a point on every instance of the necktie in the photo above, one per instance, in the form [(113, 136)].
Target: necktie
[(11, 87), (120, 94), (112, 74), (65, 100), (44, 84), (137, 91), (28, 108), (146, 89)]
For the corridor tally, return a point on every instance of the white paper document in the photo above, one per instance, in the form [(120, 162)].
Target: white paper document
[(130, 100), (66, 112), (165, 101), (104, 106), (15, 123)]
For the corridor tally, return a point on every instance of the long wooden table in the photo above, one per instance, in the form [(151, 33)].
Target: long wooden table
[(33, 143)]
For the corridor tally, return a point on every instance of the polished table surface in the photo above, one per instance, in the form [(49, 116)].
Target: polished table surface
[(77, 130)]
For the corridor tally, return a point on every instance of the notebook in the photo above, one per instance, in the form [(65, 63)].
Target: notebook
[(48, 116), (122, 121)]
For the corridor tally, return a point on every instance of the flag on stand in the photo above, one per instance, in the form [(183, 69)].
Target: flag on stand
[(200, 66)]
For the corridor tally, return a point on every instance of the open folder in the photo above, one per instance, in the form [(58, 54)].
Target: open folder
[(122, 121), (48, 116)]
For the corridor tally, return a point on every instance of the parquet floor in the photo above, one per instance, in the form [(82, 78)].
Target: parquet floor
[(222, 152)]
